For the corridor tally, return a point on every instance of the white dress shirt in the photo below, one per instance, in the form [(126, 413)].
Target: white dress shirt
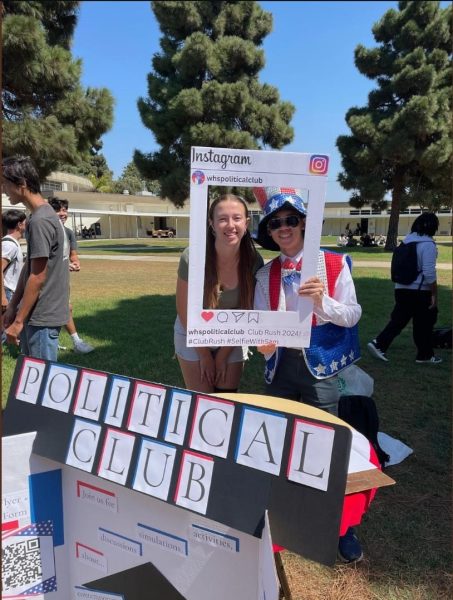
[(342, 309)]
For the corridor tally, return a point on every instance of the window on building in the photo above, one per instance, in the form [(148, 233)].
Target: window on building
[(49, 186)]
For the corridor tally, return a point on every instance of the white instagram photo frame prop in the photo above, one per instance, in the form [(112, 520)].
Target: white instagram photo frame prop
[(252, 168)]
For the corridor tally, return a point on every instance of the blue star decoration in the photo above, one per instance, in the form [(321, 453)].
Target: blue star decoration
[(320, 369), (41, 528), (273, 205), (50, 585)]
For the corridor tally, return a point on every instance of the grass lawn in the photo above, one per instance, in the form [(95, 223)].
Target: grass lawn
[(127, 310), (175, 246)]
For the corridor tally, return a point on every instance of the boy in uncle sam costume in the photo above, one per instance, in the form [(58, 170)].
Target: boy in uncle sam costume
[(309, 375)]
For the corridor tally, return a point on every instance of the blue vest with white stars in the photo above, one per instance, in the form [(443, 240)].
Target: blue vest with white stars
[(332, 348)]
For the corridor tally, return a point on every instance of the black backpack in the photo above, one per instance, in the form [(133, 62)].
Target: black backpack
[(361, 413), (404, 267)]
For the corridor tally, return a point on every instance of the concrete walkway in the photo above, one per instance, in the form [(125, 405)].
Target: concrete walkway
[(171, 259)]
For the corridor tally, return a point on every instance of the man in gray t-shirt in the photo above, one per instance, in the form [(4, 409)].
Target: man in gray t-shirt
[(40, 304), (45, 238), (60, 206)]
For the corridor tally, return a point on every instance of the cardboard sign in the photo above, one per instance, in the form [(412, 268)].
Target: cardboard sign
[(225, 460), (252, 168), (86, 538)]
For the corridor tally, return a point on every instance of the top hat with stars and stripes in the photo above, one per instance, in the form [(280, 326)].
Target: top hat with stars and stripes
[(271, 200)]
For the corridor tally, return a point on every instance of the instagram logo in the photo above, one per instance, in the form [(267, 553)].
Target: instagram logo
[(319, 163), (198, 177)]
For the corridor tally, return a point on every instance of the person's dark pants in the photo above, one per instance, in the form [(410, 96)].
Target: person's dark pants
[(294, 381), (411, 304)]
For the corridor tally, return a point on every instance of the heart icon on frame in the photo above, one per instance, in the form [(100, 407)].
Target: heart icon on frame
[(207, 315)]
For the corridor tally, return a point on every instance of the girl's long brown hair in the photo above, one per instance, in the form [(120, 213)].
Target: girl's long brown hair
[(247, 260)]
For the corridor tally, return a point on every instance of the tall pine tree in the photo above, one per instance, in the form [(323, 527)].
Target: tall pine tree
[(132, 181), (95, 165), (47, 114), (401, 142), (204, 89)]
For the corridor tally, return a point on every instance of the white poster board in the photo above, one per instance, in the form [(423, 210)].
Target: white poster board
[(252, 168), (122, 524), (109, 529)]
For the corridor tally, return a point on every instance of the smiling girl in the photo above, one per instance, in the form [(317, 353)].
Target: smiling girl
[(231, 264)]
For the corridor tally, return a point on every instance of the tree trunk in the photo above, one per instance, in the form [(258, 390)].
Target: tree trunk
[(392, 233)]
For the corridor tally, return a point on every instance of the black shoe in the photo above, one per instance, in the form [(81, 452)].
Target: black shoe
[(434, 360), (349, 548)]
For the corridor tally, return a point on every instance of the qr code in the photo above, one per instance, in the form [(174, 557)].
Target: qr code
[(21, 564)]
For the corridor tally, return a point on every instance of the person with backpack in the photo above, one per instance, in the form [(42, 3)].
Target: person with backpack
[(13, 222), (414, 274)]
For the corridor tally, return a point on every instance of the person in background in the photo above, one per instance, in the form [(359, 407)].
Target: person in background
[(307, 375), (416, 301), (231, 264), (40, 305), (13, 222), (365, 240), (60, 206), (342, 240)]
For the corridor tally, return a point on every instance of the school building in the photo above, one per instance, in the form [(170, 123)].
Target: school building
[(109, 216)]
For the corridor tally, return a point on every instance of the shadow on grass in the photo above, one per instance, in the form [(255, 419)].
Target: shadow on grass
[(132, 249), (406, 534), (135, 339)]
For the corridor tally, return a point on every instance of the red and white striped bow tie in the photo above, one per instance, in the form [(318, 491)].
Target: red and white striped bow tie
[(290, 271)]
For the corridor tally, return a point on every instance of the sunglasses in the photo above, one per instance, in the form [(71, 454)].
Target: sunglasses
[(276, 223)]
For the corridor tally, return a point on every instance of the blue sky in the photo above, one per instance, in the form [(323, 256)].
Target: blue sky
[(309, 58)]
